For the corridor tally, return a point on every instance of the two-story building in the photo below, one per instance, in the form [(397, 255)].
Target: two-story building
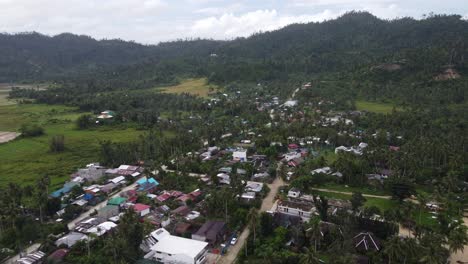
[(166, 248), (304, 210)]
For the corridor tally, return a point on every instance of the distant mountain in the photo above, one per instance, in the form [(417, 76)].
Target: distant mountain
[(351, 42)]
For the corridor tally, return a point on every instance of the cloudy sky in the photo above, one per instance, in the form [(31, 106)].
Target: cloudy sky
[(152, 21)]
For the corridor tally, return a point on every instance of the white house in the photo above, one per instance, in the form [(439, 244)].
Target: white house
[(240, 155), (324, 170), (224, 178), (294, 193), (165, 248), (301, 209), (292, 155)]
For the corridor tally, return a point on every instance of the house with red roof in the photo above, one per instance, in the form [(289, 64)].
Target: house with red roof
[(142, 209)]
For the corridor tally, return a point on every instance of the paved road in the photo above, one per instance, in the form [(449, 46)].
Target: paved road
[(267, 204), (30, 249), (71, 224)]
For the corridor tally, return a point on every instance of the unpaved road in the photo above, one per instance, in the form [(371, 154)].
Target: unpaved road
[(267, 204), (30, 249), (8, 136)]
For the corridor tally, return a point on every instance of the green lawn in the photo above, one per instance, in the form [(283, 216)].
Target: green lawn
[(24, 159), (382, 204), (381, 108), (363, 190)]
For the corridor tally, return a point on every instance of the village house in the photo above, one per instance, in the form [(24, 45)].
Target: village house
[(92, 172), (141, 209), (70, 239), (240, 155), (212, 232), (166, 248)]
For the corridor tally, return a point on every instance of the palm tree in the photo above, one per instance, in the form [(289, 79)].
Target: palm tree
[(422, 201), (253, 221), (457, 238), (313, 231), (309, 257), (394, 249)]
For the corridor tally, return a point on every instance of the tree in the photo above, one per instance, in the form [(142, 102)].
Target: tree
[(42, 194), (57, 143), (266, 224), (394, 249), (313, 232), (321, 203), (84, 121), (457, 238), (309, 256), (253, 221), (357, 200)]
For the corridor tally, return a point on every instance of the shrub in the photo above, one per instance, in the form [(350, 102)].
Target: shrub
[(31, 130)]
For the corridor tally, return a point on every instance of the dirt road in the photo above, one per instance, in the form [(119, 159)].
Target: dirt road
[(8, 136), (267, 204), (30, 249)]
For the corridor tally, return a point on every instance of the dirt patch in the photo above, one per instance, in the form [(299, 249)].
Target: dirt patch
[(8, 136), (448, 74)]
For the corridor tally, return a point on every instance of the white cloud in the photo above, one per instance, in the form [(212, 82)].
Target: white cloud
[(312, 3), (151, 21), (229, 25)]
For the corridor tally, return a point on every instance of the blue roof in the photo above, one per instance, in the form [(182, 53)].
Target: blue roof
[(142, 181), (88, 197), (153, 181), (65, 189)]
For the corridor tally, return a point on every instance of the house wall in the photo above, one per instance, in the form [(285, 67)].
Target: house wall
[(305, 215), (240, 155), (145, 212), (179, 258)]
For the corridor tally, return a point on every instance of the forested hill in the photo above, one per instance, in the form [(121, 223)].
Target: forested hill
[(348, 44), (33, 56)]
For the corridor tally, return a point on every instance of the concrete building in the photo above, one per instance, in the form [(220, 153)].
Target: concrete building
[(301, 209), (165, 248)]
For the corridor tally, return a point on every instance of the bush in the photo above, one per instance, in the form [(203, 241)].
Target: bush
[(31, 130)]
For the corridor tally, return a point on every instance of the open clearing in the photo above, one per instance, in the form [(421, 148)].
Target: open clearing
[(25, 159), (198, 87), (381, 108)]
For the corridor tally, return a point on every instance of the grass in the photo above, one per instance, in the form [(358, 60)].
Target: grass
[(25, 159), (363, 190), (198, 87), (381, 108), (382, 204), (3, 96)]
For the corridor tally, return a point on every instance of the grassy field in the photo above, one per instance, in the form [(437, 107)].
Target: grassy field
[(3, 96), (198, 87), (24, 159), (381, 108), (6, 88)]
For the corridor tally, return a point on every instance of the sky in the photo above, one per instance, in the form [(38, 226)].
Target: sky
[(153, 21)]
